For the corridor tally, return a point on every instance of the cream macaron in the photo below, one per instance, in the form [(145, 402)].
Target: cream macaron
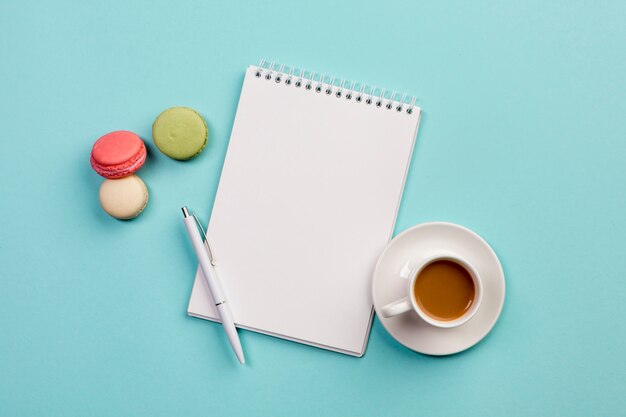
[(123, 198)]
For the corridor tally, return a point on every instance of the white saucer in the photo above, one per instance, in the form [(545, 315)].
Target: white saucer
[(422, 241)]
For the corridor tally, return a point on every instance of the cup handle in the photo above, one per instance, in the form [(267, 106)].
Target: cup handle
[(397, 307), (405, 272)]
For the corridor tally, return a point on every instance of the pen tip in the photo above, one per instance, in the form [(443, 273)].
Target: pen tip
[(185, 211)]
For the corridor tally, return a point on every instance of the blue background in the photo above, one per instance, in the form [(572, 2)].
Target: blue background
[(522, 140)]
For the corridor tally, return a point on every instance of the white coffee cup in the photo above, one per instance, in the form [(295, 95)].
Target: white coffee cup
[(408, 303)]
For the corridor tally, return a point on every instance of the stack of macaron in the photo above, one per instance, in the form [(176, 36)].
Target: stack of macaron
[(117, 156), (179, 132)]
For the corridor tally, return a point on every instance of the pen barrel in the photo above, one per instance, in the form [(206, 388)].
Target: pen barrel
[(208, 271), (231, 331)]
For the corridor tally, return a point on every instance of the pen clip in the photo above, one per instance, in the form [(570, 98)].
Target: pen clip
[(206, 240)]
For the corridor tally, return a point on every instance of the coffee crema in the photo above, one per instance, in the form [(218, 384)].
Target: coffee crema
[(444, 290)]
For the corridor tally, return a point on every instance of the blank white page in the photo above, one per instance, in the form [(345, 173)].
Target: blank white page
[(306, 203)]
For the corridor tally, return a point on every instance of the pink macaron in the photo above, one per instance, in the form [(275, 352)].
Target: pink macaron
[(118, 154)]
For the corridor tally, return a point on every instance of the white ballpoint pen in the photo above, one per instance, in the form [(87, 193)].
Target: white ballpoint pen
[(207, 262)]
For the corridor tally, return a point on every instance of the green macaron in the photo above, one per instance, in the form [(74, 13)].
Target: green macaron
[(180, 133)]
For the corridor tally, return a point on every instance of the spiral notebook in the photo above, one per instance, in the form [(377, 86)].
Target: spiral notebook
[(306, 203)]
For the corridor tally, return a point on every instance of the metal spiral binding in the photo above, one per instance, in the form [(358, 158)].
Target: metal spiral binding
[(358, 91)]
